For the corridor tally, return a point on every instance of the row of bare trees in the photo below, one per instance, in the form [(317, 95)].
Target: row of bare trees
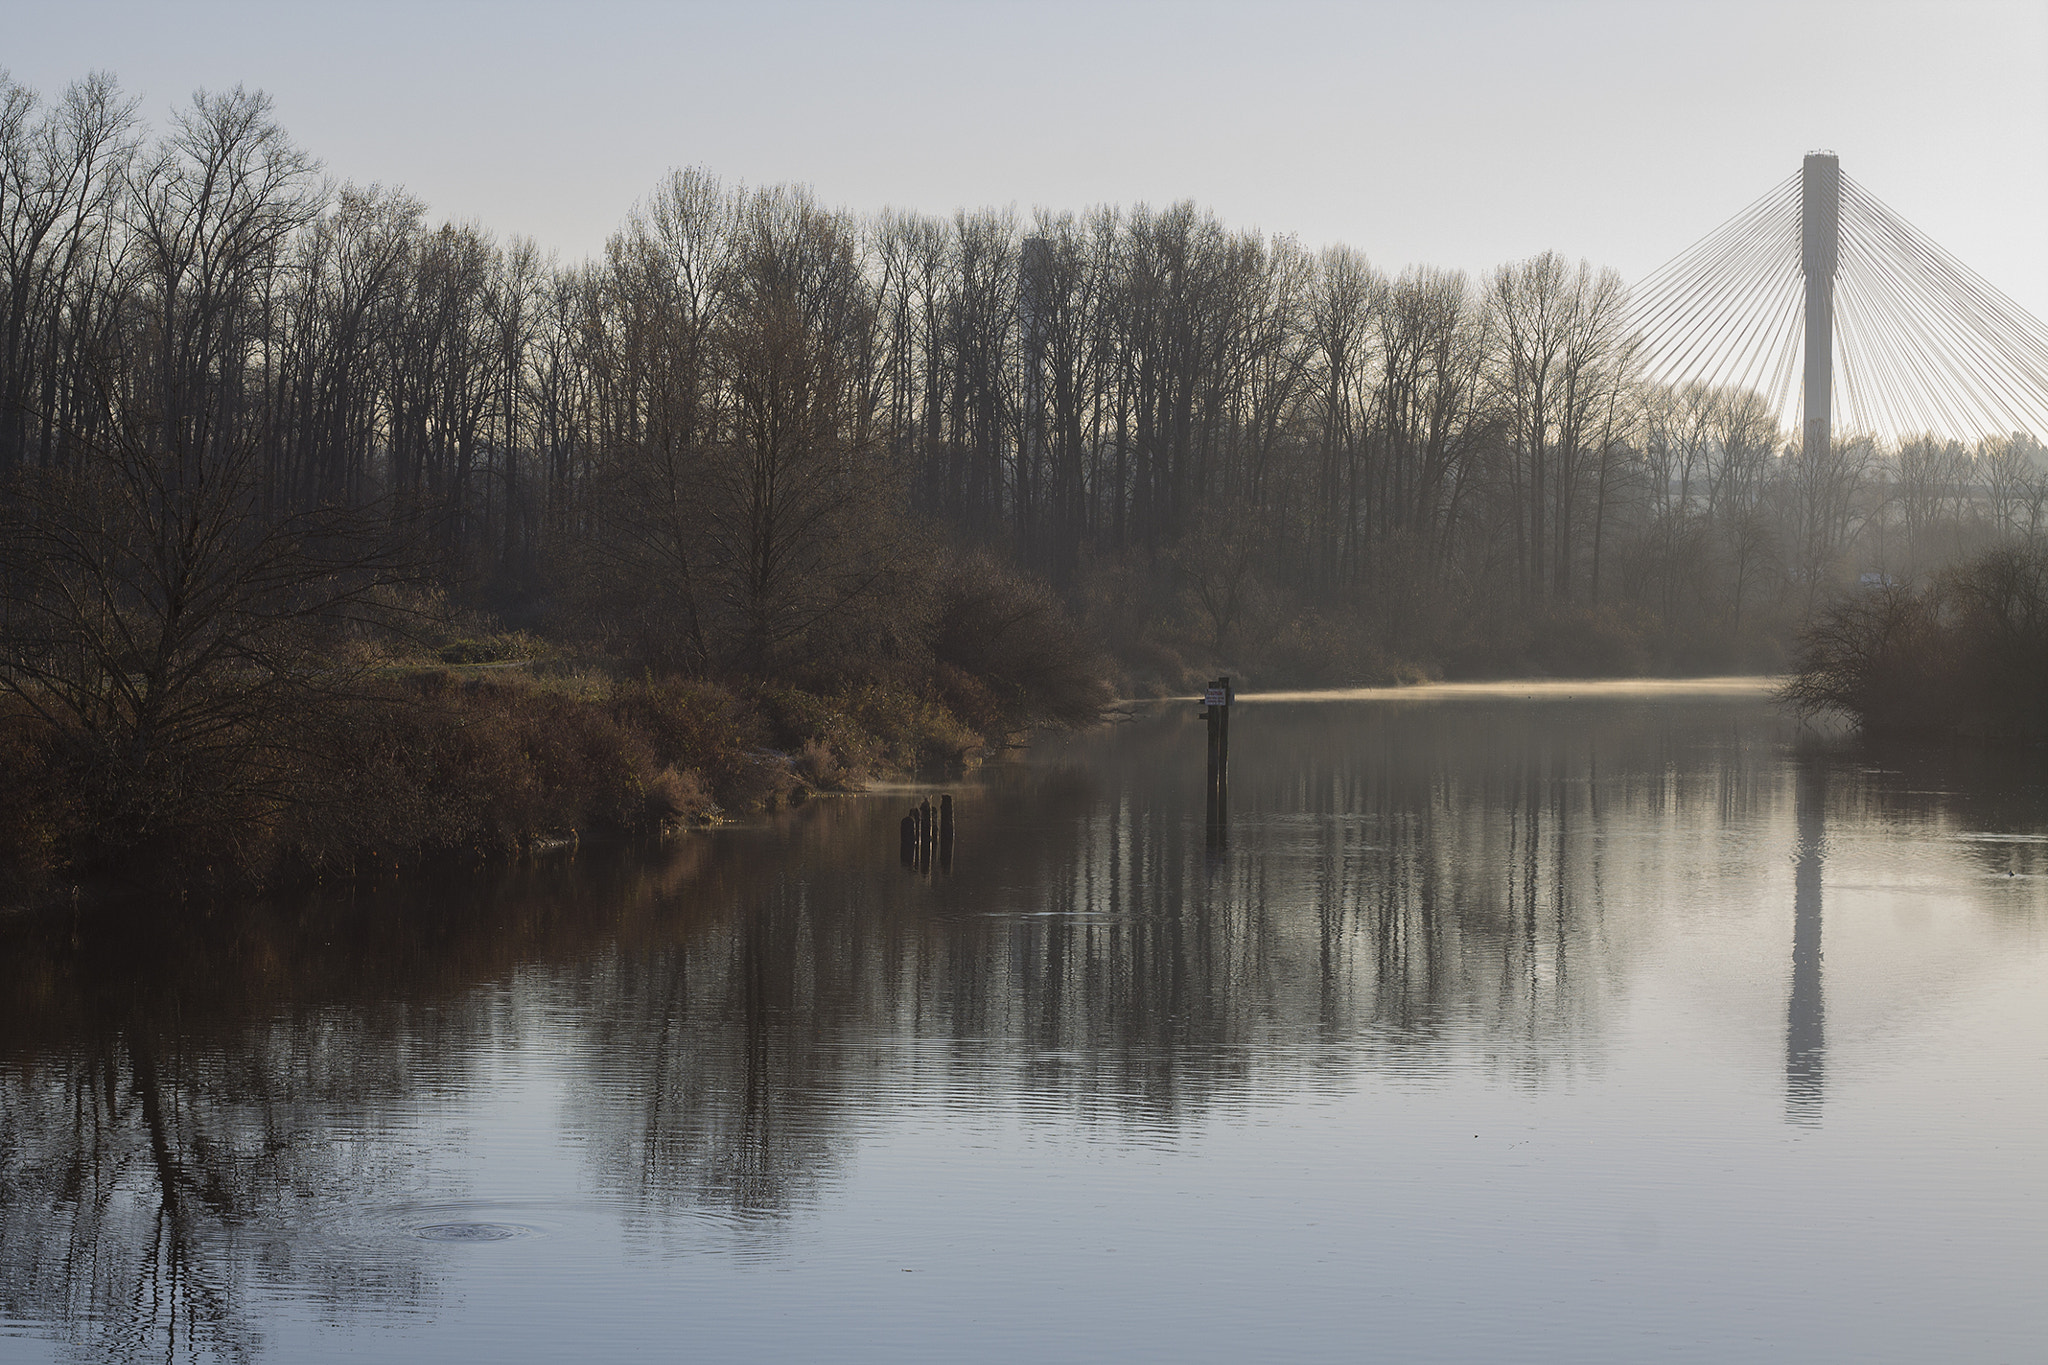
[(726, 438)]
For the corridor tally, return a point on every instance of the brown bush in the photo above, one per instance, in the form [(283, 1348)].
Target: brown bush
[(797, 721), (819, 767), (696, 727), (1964, 655), (433, 762), (911, 732), (35, 821), (971, 699), (1010, 634), (436, 766)]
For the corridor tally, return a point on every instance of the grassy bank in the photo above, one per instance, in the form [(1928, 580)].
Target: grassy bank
[(295, 701), (415, 765)]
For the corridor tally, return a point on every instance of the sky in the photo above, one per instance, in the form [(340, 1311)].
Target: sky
[(1452, 134)]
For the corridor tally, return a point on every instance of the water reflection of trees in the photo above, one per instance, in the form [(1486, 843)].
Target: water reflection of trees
[(194, 1107), (1420, 882), (1992, 799), (1436, 890), (180, 1111), (132, 1168)]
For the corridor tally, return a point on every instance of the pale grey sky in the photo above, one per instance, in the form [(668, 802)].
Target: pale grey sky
[(1458, 134)]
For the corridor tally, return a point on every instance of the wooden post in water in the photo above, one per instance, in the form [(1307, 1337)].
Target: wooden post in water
[(1223, 743), (1216, 707), (927, 831), (1214, 713)]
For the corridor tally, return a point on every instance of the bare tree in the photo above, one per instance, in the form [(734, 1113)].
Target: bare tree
[(60, 178), (799, 522), (1560, 361), (157, 614), (1927, 493), (667, 284), (1827, 495), (1342, 320), (2015, 474)]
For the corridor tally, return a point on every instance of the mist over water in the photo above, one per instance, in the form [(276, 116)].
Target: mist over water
[(1535, 1021)]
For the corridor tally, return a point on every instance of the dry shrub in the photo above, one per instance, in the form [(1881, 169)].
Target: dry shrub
[(819, 767), (418, 770), (1158, 670), (1965, 655), (677, 795), (438, 766), (697, 727), (909, 731), (1010, 634), (35, 820), (588, 771), (1319, 650), (1999, 604), (798, 721), (1878, 655), (431, 762), (970, 699), (1601, 642), (761, 780)]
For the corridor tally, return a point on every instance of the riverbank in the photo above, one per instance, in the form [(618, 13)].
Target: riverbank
[(1306, 651), (1962, 657), (437, 763)]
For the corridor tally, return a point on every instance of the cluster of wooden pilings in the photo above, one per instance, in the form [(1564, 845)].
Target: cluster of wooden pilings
[(1216, 708), (927, 834)]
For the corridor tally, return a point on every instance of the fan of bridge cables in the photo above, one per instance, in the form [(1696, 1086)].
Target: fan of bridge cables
[(1923, 344)]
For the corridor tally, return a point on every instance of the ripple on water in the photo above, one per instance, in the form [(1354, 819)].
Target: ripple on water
[(462, 1220), (470, 1232)]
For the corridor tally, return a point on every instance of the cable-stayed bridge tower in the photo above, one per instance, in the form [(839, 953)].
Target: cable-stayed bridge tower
[(1820, 223), (1846, 319)]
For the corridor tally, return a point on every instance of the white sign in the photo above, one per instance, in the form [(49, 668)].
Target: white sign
[(1216, 696)]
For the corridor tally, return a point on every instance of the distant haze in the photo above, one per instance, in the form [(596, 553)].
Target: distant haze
[(1462, 135)]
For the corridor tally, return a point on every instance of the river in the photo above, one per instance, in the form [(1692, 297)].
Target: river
[(1565, 1022)]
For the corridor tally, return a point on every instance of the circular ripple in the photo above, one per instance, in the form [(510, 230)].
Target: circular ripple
[(469, 1232)]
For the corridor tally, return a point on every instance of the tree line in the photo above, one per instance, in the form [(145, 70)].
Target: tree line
[(727, 444)]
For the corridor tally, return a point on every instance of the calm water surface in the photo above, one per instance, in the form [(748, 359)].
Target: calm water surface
[(1557, 1023)]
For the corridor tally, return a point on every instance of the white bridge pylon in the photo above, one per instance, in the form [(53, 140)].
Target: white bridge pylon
[(1819, 285)]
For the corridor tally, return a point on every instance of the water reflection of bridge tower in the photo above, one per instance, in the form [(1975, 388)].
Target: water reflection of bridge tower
[(1805, 1040)]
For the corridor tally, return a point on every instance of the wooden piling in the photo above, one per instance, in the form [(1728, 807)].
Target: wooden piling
[(1215, 718), (1216, 795), (927, 831), (1223, 734)]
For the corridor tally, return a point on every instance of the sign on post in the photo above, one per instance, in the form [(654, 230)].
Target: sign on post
[(1216, 696)]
